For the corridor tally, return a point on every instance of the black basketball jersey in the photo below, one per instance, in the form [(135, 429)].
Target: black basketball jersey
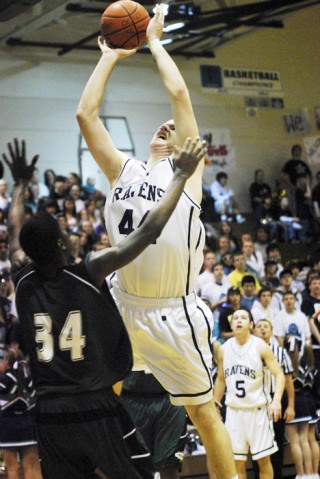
[(72, 331)]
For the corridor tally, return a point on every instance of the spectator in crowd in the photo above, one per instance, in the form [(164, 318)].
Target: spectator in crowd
[(254, 259), (248, 284), (286, 284), (258, 189), (261, 241), (223, 195), (4, 196), (291, 321), (263, 329), (75, 193), (227, 263), (206, 275), (296, 167), (290, 224), (295, 266), (267, 215), (315, 197), (262, 308), (49, 177), (59, 191), (225, 229), (273, 254), (209, 216), (240, 270), (5, 262), (224, 246), (216, 292), (226, 312), (303, 209), (69, 212)]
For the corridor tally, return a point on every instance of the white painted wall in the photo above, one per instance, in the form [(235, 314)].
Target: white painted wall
[(38, 99)]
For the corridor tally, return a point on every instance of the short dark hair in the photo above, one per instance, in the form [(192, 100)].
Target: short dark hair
[(39, 237), (220, 175), (264, 289), (285, 272), (248, 279), (247, 310), (272, 247)]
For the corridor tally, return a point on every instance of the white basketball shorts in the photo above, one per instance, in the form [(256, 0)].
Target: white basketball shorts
[(172, 338), (250, 429)]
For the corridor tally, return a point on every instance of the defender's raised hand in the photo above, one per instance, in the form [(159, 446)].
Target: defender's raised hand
[(187, 159), (19, 167)]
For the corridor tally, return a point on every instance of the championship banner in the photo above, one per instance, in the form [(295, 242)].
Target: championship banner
[(243, 79), (312, 146), (220, 150)]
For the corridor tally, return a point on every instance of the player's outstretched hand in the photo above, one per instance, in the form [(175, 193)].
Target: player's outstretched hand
[(19, 167), (120, 52), (187, 159), (155, 27)]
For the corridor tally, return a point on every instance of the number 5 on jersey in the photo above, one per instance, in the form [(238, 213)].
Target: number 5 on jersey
[(70, 338)]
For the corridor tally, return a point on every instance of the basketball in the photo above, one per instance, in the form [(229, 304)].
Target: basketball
[(124, 24)]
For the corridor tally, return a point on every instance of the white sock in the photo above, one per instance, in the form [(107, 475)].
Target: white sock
[(235, 477)]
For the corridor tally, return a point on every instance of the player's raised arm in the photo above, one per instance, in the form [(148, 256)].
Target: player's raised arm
[(100, 264), (182, 111), (21, 173), (99, 142)]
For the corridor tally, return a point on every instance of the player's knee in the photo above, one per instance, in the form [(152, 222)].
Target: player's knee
[(204, 415)]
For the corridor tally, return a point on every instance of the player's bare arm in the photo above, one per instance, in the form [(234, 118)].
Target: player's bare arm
[(102, 263), (98, 139), (289, 413), (21, 173), (274, 367), (182, 111), (220, 384)]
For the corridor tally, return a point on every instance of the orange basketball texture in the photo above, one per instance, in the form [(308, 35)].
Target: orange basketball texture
[(124, 24)]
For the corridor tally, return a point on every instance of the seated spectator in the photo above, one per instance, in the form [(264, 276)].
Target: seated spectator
[(240, 270), (5, 198), (75, 193), (289, 223), (290, 321), (209, 216), (286, 284), (262, 308), (49, 177), (295, 267), (89, 187), (271, 279), (296, 167), (224, 246), (224, 201), (227, 263), (315, 196), (75, 247), (258, 190), (267, 215), (69, 212), (303, 209), (254, 259), (273, 253), (5, 263), (59, 191), (216, 292), (262, 240), (226, 312), (225, 229), (248, 284), (206, 275)]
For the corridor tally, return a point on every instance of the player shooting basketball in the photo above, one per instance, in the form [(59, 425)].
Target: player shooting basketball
[(169, 326)]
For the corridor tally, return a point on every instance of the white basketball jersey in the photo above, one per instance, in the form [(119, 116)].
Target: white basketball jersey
[(170, 267), (246, 379)]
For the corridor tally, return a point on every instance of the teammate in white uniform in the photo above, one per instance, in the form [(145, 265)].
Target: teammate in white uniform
[(170, 329), (249, 407)]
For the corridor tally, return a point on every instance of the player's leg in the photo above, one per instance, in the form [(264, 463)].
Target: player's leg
[(30, 462), (305, 447), (265, 468), (10, 456), (214, 437), (241, 469)]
